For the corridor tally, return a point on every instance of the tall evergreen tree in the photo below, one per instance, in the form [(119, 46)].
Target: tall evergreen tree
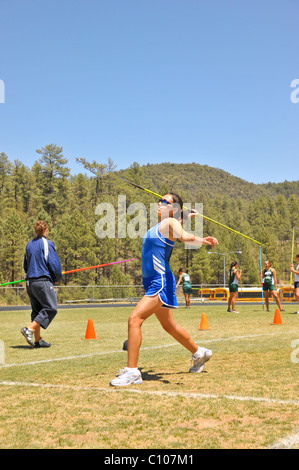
[(75, 242), (5, 172), (53, 179), (99, 170), (12, 246)]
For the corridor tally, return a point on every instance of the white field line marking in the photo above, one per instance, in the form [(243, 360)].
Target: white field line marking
[(287, 442), (76, 388), (142, 349)]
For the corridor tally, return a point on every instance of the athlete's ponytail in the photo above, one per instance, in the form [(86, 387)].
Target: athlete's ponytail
[(233, 264), (177, 200)]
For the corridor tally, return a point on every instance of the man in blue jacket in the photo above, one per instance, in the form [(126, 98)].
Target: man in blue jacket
[(43, 268)]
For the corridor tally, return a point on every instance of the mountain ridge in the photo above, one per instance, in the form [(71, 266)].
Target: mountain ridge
[(208, 180)]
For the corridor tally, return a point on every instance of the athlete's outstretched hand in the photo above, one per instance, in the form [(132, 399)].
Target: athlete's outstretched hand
[(210, 241), (192, 213)]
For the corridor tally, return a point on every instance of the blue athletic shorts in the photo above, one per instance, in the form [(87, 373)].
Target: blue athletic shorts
[(164, 285)]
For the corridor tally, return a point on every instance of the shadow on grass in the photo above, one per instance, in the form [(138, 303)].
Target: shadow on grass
[(153, 377), (147, 375)]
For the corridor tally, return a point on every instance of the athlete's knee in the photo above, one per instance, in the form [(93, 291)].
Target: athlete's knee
[(135, 320)]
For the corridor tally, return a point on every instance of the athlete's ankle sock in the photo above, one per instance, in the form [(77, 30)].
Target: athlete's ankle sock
[(132, 369)]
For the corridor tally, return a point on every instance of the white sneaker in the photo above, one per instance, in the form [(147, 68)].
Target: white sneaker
[(199, 362), (235, 311), (28, 334), (126, 377)]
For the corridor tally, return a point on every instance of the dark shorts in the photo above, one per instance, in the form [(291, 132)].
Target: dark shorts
[(43, 301), (296, 285), (233, 287), (268, 287), (187, 290)]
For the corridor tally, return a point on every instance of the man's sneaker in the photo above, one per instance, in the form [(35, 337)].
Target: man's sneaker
[(28, 334), (228, 310), (41, 344), (235, 311), (199, 362), (126, 377)]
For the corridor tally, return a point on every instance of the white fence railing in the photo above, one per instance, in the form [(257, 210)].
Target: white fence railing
[(73, 294)]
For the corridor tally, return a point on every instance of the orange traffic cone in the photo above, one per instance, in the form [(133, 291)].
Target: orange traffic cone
[(277, 318), (90, 333), (204, 322)]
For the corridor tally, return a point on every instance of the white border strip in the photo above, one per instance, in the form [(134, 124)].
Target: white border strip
[(287, 442)]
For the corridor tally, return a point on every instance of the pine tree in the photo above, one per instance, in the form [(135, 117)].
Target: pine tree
[(99, 170), (75, 242), (52, 175), (12, 246)]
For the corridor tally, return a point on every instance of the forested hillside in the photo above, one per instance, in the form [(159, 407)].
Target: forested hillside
[(69, 204)]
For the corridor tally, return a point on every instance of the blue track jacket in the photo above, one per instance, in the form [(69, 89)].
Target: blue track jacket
[(41, 260)]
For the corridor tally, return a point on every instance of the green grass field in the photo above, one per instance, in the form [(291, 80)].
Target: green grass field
[(59, 398)]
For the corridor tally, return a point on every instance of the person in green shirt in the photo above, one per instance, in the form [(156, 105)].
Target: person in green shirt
[(187, 288), (296, 283), (233, 284), (270, 284)]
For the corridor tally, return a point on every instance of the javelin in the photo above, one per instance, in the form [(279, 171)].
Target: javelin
[(205, 217), (77, 270), (293, 243), (240, 264)]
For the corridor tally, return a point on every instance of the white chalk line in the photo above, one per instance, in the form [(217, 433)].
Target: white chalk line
[(172, 394), (103, 353), (285, 443)]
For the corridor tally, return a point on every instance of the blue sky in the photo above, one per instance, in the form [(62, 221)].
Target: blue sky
[(152, 81)]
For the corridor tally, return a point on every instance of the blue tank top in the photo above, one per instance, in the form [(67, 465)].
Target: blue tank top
[(156, 251)]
